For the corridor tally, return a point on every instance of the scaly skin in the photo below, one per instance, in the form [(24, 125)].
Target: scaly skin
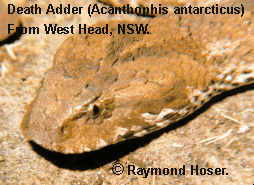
[(104, 89)]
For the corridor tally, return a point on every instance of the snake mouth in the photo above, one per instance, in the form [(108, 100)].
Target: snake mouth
[(34, 131), (59, 139)]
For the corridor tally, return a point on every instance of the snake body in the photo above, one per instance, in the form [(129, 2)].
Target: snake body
[(104, 89)]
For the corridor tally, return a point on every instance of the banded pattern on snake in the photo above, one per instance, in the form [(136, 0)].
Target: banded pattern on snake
[(104, 89)]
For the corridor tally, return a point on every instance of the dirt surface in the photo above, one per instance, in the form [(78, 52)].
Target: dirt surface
[(227, 117)]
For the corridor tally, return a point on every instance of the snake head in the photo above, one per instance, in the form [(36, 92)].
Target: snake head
[(97, 93), (104, 89), (68, 112), (79, 114), (95, 96)]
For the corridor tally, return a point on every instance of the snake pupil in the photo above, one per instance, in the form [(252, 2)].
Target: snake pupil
[(96, 110)]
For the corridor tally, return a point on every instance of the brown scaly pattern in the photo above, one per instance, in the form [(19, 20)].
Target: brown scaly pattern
[(104, 89)]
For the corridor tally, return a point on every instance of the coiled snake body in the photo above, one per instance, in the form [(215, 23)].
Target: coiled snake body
[(104, 89)]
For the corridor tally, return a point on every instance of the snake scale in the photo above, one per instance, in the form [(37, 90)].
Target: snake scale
[(104, 89)]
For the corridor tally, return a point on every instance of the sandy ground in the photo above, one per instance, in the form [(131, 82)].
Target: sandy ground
[(228, 117)]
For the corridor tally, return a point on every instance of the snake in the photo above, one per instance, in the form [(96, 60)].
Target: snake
[(103, 89)]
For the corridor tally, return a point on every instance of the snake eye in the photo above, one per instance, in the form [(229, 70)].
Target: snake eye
[(96, 110)]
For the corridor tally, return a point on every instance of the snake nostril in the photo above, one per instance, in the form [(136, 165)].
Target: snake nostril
[(64, 130), (67, 130)]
